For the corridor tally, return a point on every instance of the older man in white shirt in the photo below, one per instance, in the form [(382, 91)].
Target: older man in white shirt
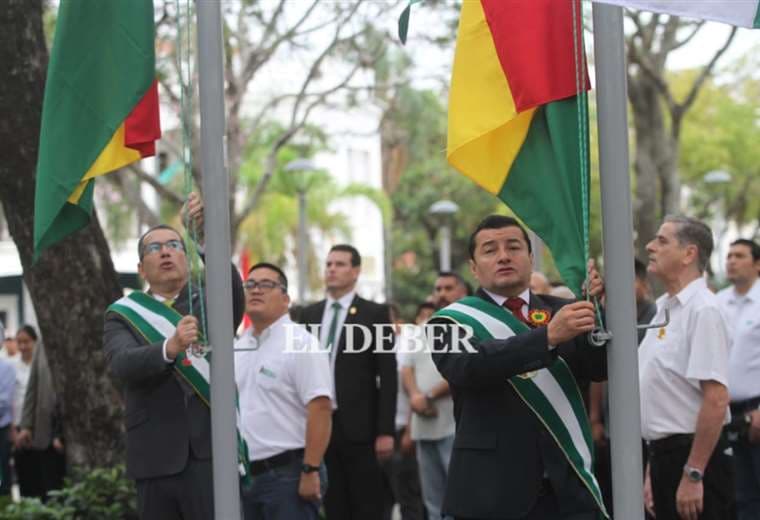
[(683, 376), (741, 303), (285, 393)]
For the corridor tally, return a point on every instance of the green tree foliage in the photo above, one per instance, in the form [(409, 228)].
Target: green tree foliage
[(426, 179), (722, 133)]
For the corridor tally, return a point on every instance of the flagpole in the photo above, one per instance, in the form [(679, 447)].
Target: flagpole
[(218, 254), (622, 355)]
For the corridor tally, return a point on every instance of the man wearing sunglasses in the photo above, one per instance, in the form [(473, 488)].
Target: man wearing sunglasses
[(285, 390), (146, 340)]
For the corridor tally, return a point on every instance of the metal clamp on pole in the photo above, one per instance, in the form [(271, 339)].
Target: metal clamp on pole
[(656, 325), (599, 336)]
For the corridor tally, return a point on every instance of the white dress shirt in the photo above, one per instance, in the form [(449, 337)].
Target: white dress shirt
[(276, 382), (743, 315), (499, 299), (673, 360)]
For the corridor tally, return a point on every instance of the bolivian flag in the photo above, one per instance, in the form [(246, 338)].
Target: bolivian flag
[(515, 125), (100, 110)]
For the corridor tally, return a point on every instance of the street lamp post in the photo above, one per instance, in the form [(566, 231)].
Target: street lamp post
[(718, 178), (445, 209), (302, 166)]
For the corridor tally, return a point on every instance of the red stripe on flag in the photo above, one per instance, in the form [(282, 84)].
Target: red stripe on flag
[(245, 265), (534, 42), (142, 127)]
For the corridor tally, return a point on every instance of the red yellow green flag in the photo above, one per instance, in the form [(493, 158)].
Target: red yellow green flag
[(100, 111), (517, 117)]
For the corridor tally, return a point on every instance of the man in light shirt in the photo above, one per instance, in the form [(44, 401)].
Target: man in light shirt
[(430, 398), (683, 377), (284, 388), (741, 303)]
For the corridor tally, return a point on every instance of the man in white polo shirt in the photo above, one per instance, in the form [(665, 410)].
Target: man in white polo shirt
[(284, 388), (683, 378), (741, 303)]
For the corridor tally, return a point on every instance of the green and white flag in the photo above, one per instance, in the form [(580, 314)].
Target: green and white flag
[(551, 393), (742, 13), (157, 322)]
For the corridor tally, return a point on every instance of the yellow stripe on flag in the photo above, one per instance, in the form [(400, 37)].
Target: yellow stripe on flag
[(114, 156), (485, 131)]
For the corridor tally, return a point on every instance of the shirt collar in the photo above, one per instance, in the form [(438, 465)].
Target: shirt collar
[(499, 299), (685, 294), (267, 332), (345, 300), (162, 299)]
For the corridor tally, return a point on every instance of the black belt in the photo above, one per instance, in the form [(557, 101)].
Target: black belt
[(681, 440), (671, 442), (747, 405), (276, 461)]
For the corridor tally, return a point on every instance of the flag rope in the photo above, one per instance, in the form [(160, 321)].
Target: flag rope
[(582, 102), (187, 88)]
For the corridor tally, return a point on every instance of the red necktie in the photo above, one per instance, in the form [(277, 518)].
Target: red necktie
[(515, 306)]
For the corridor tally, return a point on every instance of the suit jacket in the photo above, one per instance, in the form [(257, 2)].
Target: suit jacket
[(164, 418), (39, 413), (366, 409), (502, 451)]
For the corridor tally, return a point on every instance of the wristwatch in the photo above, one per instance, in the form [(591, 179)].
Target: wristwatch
[(693, 473), (308, 468)]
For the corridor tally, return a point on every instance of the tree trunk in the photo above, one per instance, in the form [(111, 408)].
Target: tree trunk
[(650, 132), (73, 282)]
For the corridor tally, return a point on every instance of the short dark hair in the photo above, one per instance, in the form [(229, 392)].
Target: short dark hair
[(356, 258), (30, 331), (141, 245), (694, 232), (458, 277), (280, 274), (497, 222), (640, 269), (422, 306), (751, 244)]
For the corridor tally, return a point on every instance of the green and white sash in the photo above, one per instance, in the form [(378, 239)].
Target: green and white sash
[(157, 322), (551, 393)]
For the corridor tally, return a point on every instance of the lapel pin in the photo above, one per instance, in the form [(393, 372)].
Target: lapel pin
[(352, 310)]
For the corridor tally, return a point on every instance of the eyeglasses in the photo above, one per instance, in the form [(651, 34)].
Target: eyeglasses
[(263, 285), (155, 247)]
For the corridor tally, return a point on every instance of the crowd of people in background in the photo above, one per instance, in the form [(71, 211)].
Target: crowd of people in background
[(31, 434), (361, 433)]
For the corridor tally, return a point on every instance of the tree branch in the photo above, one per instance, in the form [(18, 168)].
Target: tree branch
[(706, 71), (160, 188)]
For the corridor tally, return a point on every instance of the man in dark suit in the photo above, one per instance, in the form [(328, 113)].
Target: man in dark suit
[(506, 462), (365, 378), (168, 424)]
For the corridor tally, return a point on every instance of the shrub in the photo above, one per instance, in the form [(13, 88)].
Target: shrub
[(103, 493)]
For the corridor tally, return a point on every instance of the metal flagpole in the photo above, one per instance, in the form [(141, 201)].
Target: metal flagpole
[(622, 355), (218, 254)]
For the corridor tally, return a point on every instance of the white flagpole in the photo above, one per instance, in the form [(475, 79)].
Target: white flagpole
[(622, 355), (218, 254)]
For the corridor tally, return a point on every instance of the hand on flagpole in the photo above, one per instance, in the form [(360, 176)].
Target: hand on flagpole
[(185, 335), (594, 282), (192, 215)]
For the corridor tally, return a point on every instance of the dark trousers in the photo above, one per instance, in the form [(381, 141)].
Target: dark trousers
[(356, 484), (402, 484), (747, 465), (5, 459), (547, 508), (39, 471), (188, 495), (667, 458), (273, 495)]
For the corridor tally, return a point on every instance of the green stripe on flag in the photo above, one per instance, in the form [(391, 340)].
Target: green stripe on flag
[(101, 64), (756, 22), (544, 187)]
